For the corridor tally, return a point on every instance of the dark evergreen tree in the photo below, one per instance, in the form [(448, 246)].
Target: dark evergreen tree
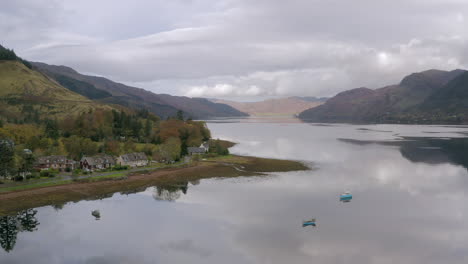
[(180, 115), (51, 129), (7, 158)]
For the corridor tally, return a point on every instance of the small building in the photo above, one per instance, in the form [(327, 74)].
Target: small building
[(137, 159), (27, 152), (7, 142), (60, 163), (98, 162), (206, 146), (196, 150)]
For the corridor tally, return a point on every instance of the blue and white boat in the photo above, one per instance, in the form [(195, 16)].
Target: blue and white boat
[(310, 222), (346, 197)]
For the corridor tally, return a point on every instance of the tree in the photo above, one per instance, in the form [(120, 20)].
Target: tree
[(112, 147), (7, 54), (26, 163), (218, 148), (7, 158), (51, 129), (180, 115), (170, 150), (148, 128), (77, 147)]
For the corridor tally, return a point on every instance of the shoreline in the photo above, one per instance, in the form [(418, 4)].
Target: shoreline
[(219, 167)]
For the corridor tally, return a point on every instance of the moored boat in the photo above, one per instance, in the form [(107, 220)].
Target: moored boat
[(346, 197)]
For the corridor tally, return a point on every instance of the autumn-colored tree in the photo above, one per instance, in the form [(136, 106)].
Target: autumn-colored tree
[(170, 150), (77, 147), (112, 147)]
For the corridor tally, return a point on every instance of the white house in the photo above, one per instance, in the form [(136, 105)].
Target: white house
[(138, 159)]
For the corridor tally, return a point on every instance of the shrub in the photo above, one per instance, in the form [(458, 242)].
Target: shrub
[(1, 182), (210, 155), (68, 170), (18, 178), (120, 167), (44, 173)]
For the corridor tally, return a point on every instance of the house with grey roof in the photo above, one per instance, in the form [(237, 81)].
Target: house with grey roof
[(7, 142), (137, 159), (55, 162), (196, 150), (205, 145), (204, 148), (97, 162)]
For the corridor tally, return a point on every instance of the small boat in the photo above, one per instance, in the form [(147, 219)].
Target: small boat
[(310, 222), (96, 214), (346, 197)]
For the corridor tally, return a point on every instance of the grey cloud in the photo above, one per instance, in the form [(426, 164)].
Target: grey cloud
[(185, 246), (245, 48)]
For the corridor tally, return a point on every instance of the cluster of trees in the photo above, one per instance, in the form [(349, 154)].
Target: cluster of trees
[(9, 54), (99, 131), (14, 161)]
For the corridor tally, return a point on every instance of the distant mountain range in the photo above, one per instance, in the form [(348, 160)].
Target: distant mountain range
[(280, 106), (432, 96), (107, 91)]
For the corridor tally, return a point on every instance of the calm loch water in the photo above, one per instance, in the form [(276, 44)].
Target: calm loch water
[(409, 183)]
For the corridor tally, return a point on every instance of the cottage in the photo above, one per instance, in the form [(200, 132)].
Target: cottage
[(7, 142), (206, 146), (196, 150), (60, 163), (138, 159), (97, 162)]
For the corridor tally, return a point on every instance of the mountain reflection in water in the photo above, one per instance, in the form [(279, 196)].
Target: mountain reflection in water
[(427, 149)]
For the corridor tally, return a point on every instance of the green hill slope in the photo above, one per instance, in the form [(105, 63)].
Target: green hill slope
[(27, 94), (111, 92)]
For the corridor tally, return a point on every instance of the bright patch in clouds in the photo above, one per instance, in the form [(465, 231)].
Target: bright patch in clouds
[(241, 48)]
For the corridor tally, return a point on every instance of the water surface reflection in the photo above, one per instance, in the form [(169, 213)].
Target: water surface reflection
[(408, 205)]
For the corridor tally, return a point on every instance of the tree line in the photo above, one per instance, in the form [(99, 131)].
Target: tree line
[(9, 54), (112, 132)]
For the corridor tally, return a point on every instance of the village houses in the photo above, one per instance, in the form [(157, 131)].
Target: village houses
[(98, 162), (60, 163), (138, 159)]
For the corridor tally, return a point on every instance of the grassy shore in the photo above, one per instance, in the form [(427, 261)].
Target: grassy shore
[(17, 199)]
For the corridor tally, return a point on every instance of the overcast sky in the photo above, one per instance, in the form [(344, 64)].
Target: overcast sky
[(241, 49)]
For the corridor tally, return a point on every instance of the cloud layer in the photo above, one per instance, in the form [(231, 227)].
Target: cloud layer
[(240, 48)]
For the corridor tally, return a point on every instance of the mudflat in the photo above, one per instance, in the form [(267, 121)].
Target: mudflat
[(229, 166)]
